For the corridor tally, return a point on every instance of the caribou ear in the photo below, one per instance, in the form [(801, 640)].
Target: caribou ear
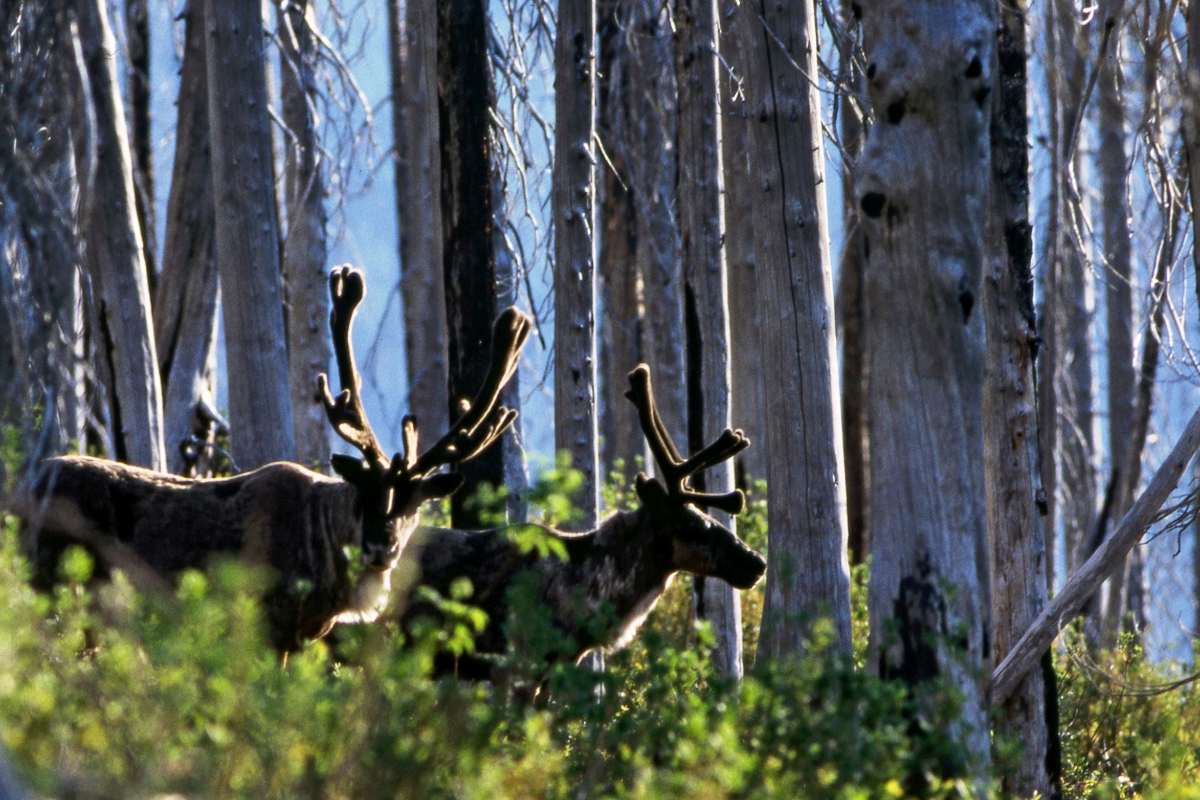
[(649, 491), (351, 468), (441, 485)]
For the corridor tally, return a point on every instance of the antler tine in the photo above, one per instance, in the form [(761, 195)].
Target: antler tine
[(641, 394), (345, 411), (725, 446), (463, 441), (730, 502)]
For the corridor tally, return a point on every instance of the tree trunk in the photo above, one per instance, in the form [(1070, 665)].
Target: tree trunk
[(413, 45), (849, 310), (653, 175), (743, 199), (185, 301), (923, 188), (706, 311), (1191, 131), (247, 235), (620, 325), (1010, 418), (137, 40), (808, 573), (304, 249), (465, 100), (575, 425), (115, 254)]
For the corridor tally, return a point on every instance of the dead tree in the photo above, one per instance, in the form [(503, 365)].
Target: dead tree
[(299, 523), (623, 565), (247, 234), (922, 185), (706, 310), (809, 576), (304, 248), (185, 301)]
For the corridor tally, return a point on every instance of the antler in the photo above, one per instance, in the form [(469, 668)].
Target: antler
[(674, 469), (482, 423), (345, 412)]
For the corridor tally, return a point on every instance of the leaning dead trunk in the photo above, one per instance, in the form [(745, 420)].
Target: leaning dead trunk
[(115, 254), (1010, 419), (413, 55), (247, 235), (304, 249), (808, 575), (185, 301), (922, 185), (138, 83), (706, 312)]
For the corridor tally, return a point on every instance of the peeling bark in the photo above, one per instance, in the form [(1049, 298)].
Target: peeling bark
[(808, 574)]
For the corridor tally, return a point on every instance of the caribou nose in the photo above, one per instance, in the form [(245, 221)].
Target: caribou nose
[(750, 570)]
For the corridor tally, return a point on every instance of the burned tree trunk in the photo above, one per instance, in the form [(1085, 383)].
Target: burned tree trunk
[(304, 249), (574, 196), (465, 98), (1010, 419), (922, 187), (413, 46), (808, 575), (247, 235), (185, 302), (706, 311), (137, 40), (115, 252)]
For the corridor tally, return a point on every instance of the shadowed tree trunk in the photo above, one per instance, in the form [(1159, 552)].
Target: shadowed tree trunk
[(185, 301), (413, 46), (922, 185), (137, 40), (807, 573), (742, 200), (247, 235), (653, 173), (465, 98), (115, 254), (706, 312), (304, 249), (1010, 419), (575, 248), (621, 323)]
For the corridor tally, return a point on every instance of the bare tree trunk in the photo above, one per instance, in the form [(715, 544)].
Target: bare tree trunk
[(743, 190), (620, 325), (574, 248), (185, 301), (653, 174), (137, 40), (115, 254), (1010, 420), (465, 100), (849, 309), (247, 235), (808, 573), (418, 168), (1191, 133), (706, 311), (304, 249), (923, 189)]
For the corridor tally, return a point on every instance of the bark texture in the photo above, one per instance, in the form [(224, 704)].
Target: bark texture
[(1010, 417), (706, 310), (413, 45), (465, 98), (115, 254), (185, 301), (574, 197), (653, 175), (247, 235), (304, 249), (138, 83), (922, 185), (808, 575)]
